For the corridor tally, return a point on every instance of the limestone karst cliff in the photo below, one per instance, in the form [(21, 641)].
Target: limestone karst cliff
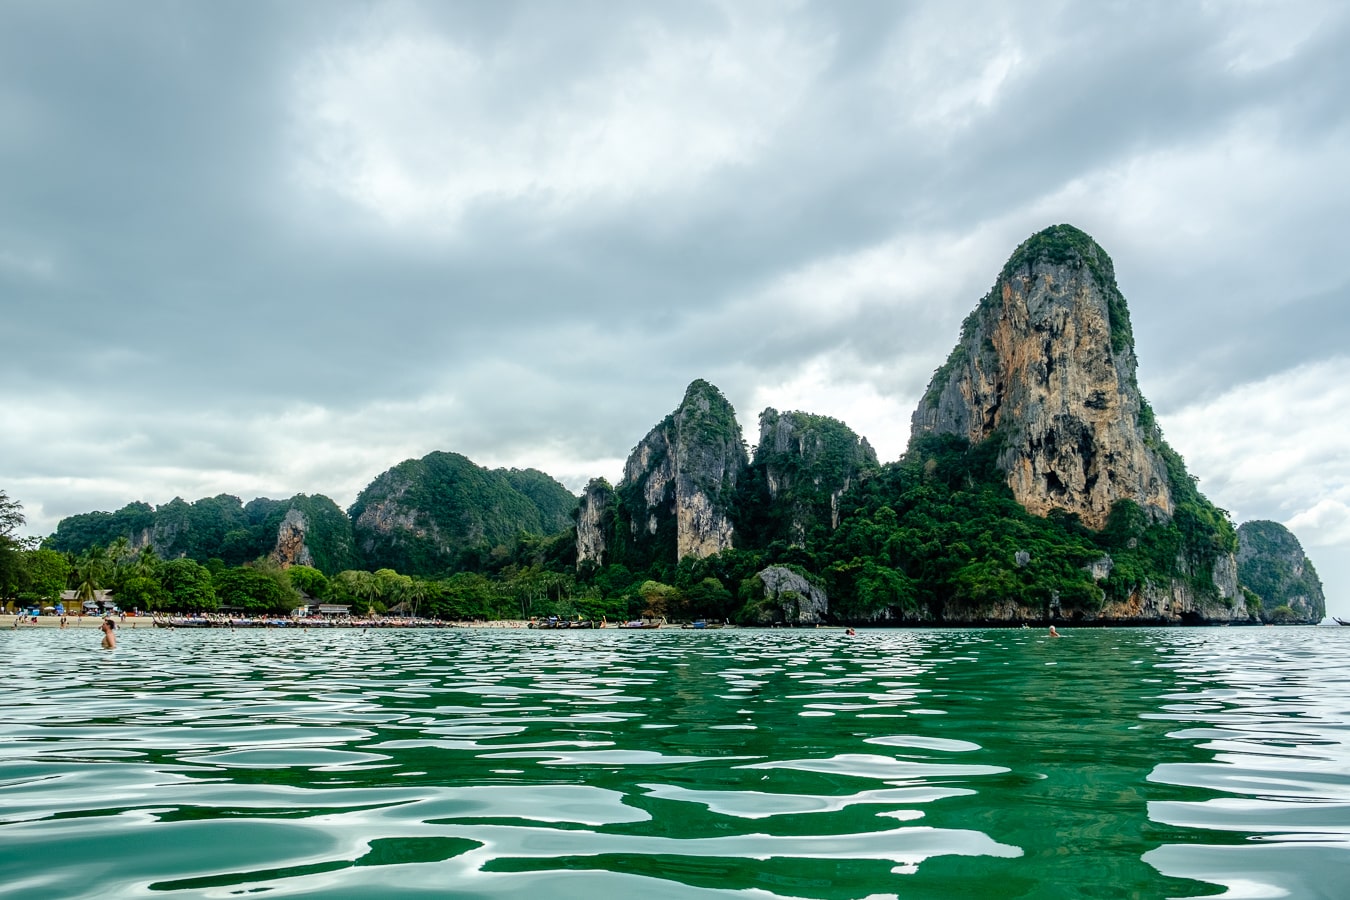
[(305, 529), (689, 488), (678, 486), (1044, 376), (1271, 564), (1046, 362), (802, 466), (595, 513), (1036, 486)]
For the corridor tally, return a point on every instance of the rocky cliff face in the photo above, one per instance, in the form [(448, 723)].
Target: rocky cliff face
[(789, 598), (1047, 363), (1045, 373), (802, 466), (291, 549), (1272, 565), (679, 482), (597, 500)]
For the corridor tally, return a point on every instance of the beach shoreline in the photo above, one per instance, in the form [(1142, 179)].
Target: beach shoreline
[(145, 622)]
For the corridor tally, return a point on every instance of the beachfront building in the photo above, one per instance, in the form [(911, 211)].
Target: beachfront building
[(102, 603)]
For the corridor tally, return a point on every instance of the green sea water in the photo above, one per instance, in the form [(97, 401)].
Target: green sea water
[(483, 763)]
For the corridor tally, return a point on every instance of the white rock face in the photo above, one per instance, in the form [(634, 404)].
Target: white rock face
[(686, 469), (595, 501)]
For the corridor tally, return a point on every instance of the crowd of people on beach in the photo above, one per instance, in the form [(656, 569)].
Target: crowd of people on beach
[(223, 620)]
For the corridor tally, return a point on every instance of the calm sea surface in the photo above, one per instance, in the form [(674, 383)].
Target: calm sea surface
[(671, 764)]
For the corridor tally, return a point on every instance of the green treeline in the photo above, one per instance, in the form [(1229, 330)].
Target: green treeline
[(934, 536)]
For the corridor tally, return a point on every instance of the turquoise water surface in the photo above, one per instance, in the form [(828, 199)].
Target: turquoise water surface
[(486, 763)]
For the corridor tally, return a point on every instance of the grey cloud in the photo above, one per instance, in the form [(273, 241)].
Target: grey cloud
[(167, 276)]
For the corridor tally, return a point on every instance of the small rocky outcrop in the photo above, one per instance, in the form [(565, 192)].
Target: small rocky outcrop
[(1272, 565), (1046, 362), (679, 483), (786, 597), (802, 466)]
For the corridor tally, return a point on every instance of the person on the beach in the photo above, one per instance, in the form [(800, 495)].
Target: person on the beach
[(1054, 633), (109, 628)]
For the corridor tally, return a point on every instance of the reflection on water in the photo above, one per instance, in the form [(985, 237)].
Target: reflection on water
[(495, 763)]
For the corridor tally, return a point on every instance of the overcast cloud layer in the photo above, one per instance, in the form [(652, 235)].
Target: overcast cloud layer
[(270, 248)]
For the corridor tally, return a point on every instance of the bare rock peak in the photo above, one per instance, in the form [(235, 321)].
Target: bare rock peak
[(1046, 362)]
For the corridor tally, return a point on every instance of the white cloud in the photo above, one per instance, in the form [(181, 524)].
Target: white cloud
[(943, 74), (1270, 31), (28, 266), (419, 129), (1276, 449), (1327, 523)]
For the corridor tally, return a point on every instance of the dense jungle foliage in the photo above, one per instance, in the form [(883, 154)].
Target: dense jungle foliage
[(214, 527), (446, 506), (1273, 568), (934, 536)]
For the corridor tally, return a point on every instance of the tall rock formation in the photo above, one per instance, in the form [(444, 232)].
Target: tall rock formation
[(678, 484), (594, 513), (306, 531), (802, 466), (1272, 565), (1046, 362), (1044, 373), (419, 517)]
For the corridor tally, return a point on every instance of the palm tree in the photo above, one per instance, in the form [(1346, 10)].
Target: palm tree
[(362, 585), (146, 562), (91, 570), (415, 592)]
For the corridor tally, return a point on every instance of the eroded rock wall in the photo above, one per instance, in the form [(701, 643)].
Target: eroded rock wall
[(1047, 362)]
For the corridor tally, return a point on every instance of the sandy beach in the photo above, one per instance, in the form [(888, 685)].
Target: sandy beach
[(137, 622), (7, 621)]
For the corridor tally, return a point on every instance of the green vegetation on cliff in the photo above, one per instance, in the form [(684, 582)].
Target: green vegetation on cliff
[(801, 467), (1282, 580), (423, 515), (220, 527), (1065, 245)]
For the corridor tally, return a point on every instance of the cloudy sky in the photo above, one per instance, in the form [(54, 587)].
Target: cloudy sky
[(268, 248)]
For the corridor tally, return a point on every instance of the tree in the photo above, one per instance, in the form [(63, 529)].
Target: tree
[(658, 599), (91, 570), (254, 591), (353, 584), (11, 519), (45, 573), (392, 587), (309, 580), (187, 587), (146, 562), (142, 592), (417, 591), (709, 599)]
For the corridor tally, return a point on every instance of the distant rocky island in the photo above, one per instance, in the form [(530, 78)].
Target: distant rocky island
[(1037, 486)]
